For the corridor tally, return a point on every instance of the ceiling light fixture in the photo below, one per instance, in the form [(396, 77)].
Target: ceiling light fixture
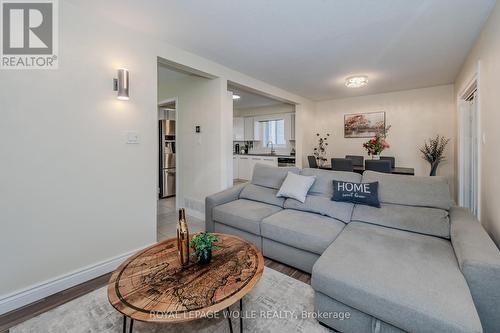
[(236, 97), (357, 81)]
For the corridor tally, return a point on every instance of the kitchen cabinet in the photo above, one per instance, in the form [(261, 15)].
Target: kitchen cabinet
[(246, 163), (252, 129), (292, 126), (244, 168), (238, 129), (235, 167)]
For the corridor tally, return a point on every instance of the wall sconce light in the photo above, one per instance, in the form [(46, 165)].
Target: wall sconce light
[(121, 84)]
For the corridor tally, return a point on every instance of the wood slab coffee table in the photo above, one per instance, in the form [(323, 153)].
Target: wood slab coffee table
[(152, 286)]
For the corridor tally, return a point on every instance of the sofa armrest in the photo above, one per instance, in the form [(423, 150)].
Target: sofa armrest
[(479, 261), (220, 198)]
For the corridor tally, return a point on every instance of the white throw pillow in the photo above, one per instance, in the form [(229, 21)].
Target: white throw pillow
[(296, 186)]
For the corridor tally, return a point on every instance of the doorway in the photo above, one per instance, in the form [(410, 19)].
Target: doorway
[(469, 161)]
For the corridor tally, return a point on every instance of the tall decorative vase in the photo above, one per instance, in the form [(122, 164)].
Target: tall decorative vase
[(182, 238), (434, 167)]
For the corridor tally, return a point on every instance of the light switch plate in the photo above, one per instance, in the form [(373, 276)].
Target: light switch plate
[(132, 138)]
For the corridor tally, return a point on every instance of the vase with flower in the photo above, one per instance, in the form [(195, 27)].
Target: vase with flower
[(376, 145)]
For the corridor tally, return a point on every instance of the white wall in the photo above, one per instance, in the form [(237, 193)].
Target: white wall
[(200, 168), (415, 115), (72, 193), (487, 52)]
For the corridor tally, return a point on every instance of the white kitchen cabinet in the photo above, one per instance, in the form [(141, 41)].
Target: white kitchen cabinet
[(269, 160), (238, 129), (292, 126), (252, 129), (249, 130), (235, 167), (244, 164), (244, 167)]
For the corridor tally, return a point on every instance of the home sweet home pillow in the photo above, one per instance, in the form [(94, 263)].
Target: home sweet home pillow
[(357, 193)]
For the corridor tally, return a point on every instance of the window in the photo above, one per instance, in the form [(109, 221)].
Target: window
[(273, 131)]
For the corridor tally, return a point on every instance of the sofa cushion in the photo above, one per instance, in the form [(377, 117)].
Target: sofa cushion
[(357, 193), (296, 186), (323, 186), (269, 176), (244, 214), (408, 280), (262, 194), (429, 221), (319, 197), (306, 231), (322, 205), (431, 192)]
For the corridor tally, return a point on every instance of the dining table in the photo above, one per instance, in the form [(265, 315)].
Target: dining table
[(361, 169)]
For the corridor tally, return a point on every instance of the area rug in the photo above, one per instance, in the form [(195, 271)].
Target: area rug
[(278, 303)]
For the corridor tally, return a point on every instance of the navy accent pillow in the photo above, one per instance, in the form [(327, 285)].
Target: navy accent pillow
[(357, 193)]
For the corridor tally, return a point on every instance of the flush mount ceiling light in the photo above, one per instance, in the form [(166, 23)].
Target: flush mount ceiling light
[(121, 84), (357, 81), (236, 97)]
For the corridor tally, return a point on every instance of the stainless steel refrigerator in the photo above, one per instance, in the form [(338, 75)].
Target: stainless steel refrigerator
[(167, 158)]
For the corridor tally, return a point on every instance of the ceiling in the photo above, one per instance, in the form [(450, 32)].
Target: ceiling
[(309, 47), (251, 100)]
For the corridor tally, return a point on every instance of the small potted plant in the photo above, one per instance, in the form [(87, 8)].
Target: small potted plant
[(203, 244), (320, 151)]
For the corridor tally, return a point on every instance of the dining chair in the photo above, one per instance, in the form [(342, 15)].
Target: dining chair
[(389, 158), (342, 164), (312, 162), (378, 165), (356, 159)]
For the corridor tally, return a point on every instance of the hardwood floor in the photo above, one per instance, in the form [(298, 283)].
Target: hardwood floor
[(32, 310), (167, 221), (287, 270)]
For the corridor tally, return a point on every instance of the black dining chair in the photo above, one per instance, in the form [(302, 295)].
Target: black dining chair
[(356, 160), (342, 164), (389, 158), (378, 165), (312, 162)]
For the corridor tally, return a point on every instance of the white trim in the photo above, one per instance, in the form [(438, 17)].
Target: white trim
[(39, 291), (464, 93)]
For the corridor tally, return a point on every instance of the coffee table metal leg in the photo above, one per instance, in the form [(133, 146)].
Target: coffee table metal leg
[(130, 328), (241, 315), (228, 314)]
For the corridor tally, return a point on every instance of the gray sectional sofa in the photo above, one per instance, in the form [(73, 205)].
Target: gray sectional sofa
[(416, 264)]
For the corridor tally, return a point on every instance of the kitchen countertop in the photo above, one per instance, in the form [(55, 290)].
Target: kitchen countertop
[(264, 155)]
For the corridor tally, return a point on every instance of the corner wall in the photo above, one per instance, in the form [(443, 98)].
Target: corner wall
[(487, 52)]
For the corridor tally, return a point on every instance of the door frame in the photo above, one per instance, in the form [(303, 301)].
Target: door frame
[(472, 84), (177, 156)]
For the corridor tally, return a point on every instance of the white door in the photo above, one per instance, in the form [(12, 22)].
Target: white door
[(469, 160)]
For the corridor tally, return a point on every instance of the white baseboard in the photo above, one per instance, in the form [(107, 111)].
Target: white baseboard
[(39, 291)]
